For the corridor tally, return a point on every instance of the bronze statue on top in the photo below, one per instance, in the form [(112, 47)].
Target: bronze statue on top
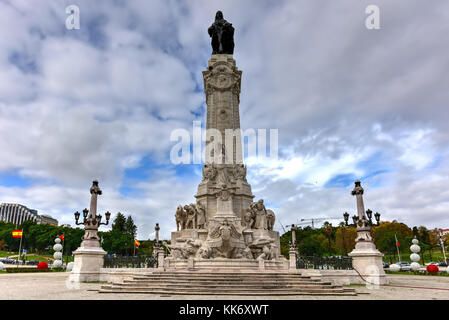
[(222, 34)]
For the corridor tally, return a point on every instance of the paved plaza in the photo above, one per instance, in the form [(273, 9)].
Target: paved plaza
[(55, 286)]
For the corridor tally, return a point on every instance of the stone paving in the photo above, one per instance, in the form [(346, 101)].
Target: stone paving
[(26, 286)]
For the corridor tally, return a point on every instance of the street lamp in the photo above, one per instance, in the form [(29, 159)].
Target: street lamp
[(355, 219), (346, 217), (377, 217), (91, 220), (369, 214)]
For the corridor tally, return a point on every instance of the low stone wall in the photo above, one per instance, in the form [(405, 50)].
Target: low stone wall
[(223, 264)]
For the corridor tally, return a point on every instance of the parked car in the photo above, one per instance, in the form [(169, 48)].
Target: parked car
[(386, 265), (442, 264), (429, 263), (405, 266)]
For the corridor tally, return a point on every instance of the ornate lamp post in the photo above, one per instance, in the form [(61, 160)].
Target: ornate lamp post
[(91, 220), (366, 259), (89, 257)]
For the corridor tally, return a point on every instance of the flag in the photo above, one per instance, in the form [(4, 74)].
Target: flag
[(137, 243), (397, 243), (17, 233), (61, 237)]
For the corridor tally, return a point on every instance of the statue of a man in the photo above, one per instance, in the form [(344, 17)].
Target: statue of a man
[(222, 34), (261, 215)]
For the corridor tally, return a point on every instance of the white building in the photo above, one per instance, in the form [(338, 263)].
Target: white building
[(17, 213)]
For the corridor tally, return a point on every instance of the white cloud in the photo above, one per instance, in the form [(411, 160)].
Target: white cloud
[(79, 105)]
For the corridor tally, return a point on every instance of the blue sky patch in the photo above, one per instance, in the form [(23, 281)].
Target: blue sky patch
[(12, 179)]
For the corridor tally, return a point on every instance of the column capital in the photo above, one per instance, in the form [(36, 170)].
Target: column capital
[(357, 188)]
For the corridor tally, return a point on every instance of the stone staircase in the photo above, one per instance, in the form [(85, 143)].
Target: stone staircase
[(242, 284)]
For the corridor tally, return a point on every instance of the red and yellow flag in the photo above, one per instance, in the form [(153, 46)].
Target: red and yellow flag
[(137, 243), (17, 233)]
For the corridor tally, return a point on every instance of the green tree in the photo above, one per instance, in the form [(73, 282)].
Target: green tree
[(119, 224), (130, 227), (385, 237), (312, 245)]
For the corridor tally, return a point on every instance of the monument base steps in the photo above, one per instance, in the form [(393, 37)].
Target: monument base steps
[(226, 283)]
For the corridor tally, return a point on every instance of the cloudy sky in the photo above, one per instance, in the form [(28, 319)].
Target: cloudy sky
[(350, 103)]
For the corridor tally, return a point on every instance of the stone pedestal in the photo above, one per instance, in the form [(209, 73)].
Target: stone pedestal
[(88, 264), (367, 261), (160, 259), (292, 259)]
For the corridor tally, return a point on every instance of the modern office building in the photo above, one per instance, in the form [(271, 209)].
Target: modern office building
[(17, 213)]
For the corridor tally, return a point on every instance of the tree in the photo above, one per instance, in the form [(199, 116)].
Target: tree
[(386, 233), (119, 224), (130, 227), (345, 239), (313, 245), (328, 231)]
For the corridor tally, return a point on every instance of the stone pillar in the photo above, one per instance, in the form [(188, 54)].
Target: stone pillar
[(160, 259), (293, 249), (366, 259), (292, 258)]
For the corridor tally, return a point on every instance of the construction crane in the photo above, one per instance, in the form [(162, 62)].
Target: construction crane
[(282, 225), (313, 220)]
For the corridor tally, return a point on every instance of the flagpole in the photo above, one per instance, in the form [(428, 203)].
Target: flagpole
[(134, 247), (399, 254), (20, 249), (62, 251)]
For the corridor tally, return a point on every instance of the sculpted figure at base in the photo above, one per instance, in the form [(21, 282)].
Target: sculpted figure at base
[(181, 218), (270, 219), (200, 216), (185, 250), (268, 252), (261, 215), (248, 219), (191, 216), (225, 241)]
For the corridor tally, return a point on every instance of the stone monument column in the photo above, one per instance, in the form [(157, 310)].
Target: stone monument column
[(366, 259), (224, 158)]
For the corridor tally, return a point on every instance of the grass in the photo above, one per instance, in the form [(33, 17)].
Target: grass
[(32, 256), (437, 256)]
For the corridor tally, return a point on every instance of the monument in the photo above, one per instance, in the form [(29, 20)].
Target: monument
[(366, 259), (225, 226)]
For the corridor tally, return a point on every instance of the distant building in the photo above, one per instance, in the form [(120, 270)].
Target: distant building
[(444, 231), (46, 219), (17, 213)]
